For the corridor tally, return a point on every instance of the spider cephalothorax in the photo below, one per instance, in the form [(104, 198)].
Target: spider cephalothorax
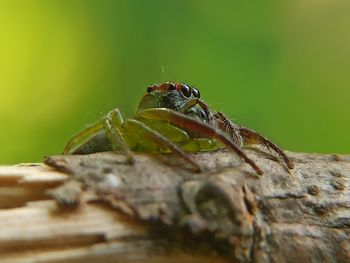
[(175, 96), (170, 117)]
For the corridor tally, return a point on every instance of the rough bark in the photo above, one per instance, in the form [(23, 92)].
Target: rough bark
[(157, 210)]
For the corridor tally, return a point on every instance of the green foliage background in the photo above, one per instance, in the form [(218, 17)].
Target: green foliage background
[(279, 67)]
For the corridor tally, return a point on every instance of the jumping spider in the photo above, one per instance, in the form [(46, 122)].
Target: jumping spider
[(170, 117)]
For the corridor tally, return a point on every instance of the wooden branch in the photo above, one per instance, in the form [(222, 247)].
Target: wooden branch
[(157, 210)]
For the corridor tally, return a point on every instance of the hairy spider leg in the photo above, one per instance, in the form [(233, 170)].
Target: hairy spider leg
[(250, 137), (138, 127), (185, 122), (112, 124), (82, 136)]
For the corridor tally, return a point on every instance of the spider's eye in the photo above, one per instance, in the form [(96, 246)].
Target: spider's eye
[(171, 86), (149, 89), (196, 93), (186, 91)]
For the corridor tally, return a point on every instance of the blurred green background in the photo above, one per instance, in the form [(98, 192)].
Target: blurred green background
[(279, 67)]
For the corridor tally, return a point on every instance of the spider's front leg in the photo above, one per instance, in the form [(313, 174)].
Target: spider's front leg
[(248, 137), (203, 129), (144, 131)]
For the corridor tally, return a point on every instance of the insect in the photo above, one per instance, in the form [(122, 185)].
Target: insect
[(170, 117)]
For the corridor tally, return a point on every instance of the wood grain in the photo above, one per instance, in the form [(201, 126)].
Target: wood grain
[(159, 211)]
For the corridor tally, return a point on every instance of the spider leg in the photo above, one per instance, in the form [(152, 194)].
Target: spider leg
[(227, 126), (112, 124), (185, 122), (252, 137), (247, 136), (82, 136), (139, 127), (190, 103)]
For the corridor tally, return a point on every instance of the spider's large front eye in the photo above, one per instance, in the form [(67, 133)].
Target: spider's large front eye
[(196, 93), (186, 90)]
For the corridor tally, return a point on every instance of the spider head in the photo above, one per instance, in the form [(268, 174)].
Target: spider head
[(168, 95)]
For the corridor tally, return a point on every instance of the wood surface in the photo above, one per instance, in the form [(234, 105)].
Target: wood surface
[(97, 208)]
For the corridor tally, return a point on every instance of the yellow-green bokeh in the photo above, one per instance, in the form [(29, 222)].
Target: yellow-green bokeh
[(279, 67)]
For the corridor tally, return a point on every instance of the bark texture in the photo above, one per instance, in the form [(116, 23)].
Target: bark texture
[(157, 210)]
